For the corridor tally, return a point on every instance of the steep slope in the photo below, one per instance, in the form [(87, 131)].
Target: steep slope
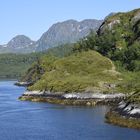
[(124, 24), (58, 34), (118, 38), (123, 38), (66, 32)]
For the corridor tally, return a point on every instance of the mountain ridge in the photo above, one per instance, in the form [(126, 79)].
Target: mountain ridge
[(60, 33), (64, 32)]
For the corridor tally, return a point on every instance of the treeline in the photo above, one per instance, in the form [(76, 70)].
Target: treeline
[(15, 65), (118, 38)]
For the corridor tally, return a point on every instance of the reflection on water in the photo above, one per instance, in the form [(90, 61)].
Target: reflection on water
[(42, 121)]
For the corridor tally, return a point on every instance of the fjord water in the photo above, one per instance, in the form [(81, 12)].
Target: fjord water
[(22, 120)]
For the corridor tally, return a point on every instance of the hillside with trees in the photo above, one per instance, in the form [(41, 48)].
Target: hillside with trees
[(117, 39)]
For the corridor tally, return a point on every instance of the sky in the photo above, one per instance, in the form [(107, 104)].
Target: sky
[(34, 17)]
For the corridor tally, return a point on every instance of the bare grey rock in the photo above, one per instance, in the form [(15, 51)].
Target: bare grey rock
[(68, 31)]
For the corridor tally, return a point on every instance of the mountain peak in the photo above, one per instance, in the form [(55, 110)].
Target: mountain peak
[(19, 41), (68, 31)]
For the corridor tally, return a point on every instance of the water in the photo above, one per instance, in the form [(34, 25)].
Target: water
[(21, 120)]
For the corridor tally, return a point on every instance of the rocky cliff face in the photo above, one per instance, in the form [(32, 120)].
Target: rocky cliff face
[(124, 22), (66, 32)]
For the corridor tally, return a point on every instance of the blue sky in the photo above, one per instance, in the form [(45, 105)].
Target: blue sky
[(33, 17)]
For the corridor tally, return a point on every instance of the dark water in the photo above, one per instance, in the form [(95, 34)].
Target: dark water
[(41, 121)]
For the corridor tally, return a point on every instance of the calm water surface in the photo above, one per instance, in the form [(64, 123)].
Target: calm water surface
[(21, 120)]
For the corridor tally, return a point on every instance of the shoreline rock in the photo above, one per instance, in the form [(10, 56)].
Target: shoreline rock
[(126, 114), (86, 99), (24, 84)]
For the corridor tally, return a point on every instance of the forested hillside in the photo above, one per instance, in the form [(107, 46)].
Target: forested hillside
[(118, 38), (15, 65)]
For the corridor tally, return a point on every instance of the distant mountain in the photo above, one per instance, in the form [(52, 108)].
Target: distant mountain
[(68, 31), (20, 41), (19, 44), (60, 33)]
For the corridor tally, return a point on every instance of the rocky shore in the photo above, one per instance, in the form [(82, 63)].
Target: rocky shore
[(24, 84), (125, 114), (89, 99)]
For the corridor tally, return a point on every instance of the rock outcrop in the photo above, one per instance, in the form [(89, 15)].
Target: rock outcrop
[(126, 114), (90, 99), (24, 84)]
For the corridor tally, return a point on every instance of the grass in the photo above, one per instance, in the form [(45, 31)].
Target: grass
[(85, 71), (131, 81)]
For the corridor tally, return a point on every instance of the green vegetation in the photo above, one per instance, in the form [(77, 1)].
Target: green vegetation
[(85, 71), (78, 67), (107, 62), (118, 39), (130, 82), (61, 51), (14, 65)]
